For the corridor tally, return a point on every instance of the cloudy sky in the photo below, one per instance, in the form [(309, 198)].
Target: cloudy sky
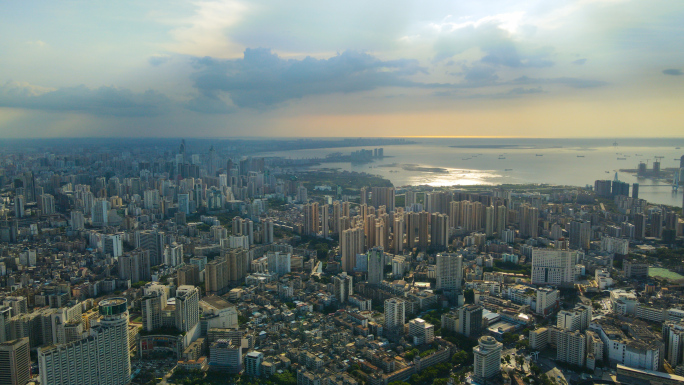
[(610, 68)]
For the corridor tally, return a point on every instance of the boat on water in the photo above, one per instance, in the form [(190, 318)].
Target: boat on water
[(502, 157), (508, 169), (539, 154), (580, 156), (621, 158)]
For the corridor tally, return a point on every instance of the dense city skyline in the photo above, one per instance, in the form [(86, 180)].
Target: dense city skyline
[(228, 68)]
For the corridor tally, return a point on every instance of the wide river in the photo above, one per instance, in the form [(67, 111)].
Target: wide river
[(575, 162)]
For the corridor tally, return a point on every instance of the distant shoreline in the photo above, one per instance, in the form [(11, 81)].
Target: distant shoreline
[(504, 146)]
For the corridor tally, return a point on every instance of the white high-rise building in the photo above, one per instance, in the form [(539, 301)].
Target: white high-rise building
[(279, 262), (395, 314), (152, 305), (449, 271), (673, 337), (187, 307), (547, 300), (578, 318), (173, 254), (421, 331), (101, 358), (487, 358), (553, 267), (572, 347)]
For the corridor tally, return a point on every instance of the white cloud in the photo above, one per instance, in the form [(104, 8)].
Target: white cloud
[(205, 32), (37, 43)]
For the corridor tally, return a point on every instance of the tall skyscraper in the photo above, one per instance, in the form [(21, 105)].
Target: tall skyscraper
[(487, 356), (135, 266), (423, 230), (363, 196), (580, 234), (490, 220), (77, 220), (216, 277), (19, 206), (449, 271), (311, 219), (325, 221), (15, 362), (376, 265), (673, 337), (187, 307), (47, 204), (470, 320), (383, 196), (398, 235), (529, 221), (237, 265), (184, 203), (501, 218), (572, 346), (152, 305), (409, 199), (439, 230), (411, 226), (101, 358), (635, 190), (153, 241), (657, 225), (343, 286), (337, 214), (639, 226), (351, 243), (395, 315), (100, 212)]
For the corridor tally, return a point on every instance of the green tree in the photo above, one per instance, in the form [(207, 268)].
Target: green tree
[(519, 360)]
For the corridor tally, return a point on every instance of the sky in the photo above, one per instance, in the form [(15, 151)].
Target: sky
[(275, 68)]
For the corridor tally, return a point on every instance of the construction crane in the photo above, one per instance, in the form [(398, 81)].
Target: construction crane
[(658, 158)]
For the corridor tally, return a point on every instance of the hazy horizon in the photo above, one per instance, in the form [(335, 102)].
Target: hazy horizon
[(229, 68)]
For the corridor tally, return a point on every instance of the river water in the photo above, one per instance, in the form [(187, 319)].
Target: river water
[(575, 162)]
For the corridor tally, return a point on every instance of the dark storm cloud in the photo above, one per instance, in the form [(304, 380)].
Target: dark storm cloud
[(263, 79), (672, 71), (100, 101)]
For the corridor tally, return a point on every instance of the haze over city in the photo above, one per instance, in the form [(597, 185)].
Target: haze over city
[(270, 192), (606, 68)]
